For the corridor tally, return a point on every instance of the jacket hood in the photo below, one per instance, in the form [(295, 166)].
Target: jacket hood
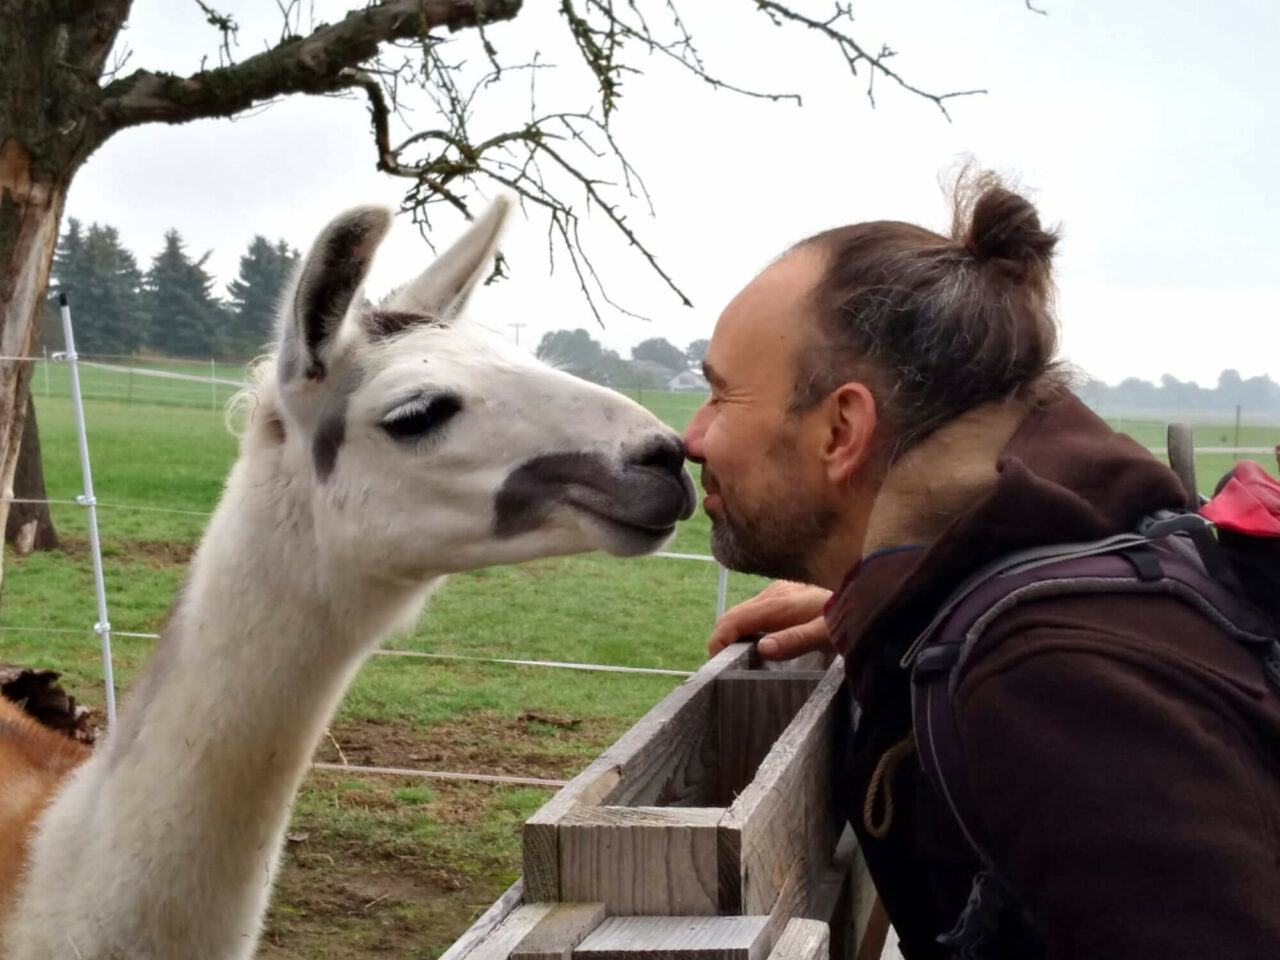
[(999, 478)]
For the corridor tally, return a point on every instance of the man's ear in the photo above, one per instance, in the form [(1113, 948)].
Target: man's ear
[(851, 427)]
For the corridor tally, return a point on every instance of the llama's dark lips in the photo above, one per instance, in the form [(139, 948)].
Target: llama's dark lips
[(638, 499), (650, 530), (629, 539)]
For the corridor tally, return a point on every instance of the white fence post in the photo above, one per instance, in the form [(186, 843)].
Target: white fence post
[(103, 627), (722, 590)]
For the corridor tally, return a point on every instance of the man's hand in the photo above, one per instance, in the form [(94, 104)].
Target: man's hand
[(789, 613)]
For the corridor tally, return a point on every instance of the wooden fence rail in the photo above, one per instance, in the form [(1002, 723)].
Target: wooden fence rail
[(711, 830)]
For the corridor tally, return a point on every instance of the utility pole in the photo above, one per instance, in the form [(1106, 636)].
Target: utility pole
[(516, 327)]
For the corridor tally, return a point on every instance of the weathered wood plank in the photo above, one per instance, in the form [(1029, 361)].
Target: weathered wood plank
[(665, 746), (641, 860), (501, 909), (813, 660), (676, 938), (803, 940), (753, 707), (562, 929), (875, 935), (863, 910), (789, 903), (684, 773), (836, 894), (501, 939), (787, 814)]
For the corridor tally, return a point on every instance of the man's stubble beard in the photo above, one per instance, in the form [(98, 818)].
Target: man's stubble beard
[(778, 538)]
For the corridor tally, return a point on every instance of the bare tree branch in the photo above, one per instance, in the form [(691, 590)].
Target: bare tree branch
[(854, 53), (312, 64), (564, 162), (512, 160), (93, 28), (227, 25), (603, 29), (558, 154)]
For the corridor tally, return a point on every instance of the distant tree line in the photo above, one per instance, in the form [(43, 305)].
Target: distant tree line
[(1255, 396), (172, 308), (653, 363)]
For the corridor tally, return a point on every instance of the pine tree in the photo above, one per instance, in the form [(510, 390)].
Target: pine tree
[(69, 262), (110, 316), (255, 295), (184, 318), (67, 276), (103, 281)]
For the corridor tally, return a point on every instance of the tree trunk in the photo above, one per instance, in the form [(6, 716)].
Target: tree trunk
[(51, 57), (29, 213), (30, 527)]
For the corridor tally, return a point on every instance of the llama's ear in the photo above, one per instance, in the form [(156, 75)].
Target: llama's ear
[(442, 290), (327, 283)]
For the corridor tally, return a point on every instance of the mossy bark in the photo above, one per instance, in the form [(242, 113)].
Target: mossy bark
[(51, 58), (30, 526)]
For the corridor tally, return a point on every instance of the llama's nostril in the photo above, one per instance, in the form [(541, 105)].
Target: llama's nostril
[(660, 453)]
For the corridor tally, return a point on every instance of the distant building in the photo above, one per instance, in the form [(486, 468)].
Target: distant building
[(688, 381)]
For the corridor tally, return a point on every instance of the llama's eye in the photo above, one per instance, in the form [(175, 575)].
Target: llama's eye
[(421, 416)]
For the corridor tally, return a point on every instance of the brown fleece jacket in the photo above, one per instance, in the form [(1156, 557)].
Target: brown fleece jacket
[(1123, 752)]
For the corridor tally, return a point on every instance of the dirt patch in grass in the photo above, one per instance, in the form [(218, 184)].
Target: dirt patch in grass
[(485, 743), (362, 901), (153, 553), (383, 866)]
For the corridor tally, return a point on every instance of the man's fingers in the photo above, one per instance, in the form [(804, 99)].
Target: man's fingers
[(795, 641), (778, 607), (748, 618), (731, 628)]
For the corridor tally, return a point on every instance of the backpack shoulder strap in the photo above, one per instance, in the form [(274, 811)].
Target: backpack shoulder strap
[(1161, 559)]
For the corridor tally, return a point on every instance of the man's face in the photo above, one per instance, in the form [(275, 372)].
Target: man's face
[(766, 487)]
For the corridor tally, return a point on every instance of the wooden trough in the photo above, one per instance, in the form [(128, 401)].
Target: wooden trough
[(711, 830)]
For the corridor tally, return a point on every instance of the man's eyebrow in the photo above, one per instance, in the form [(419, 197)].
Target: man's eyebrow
[(712, 376)]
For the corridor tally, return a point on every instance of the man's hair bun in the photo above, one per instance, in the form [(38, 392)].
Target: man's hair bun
[(996, 225), (937, 325)]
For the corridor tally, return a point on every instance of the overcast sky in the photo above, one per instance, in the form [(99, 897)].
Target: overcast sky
[(1147, 129)]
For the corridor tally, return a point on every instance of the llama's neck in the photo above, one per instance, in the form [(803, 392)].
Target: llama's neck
[(171, 833)]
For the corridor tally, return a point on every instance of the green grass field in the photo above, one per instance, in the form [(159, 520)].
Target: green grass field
[(127, 381), (377, 865)]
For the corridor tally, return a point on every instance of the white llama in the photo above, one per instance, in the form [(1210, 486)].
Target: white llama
[(386, 448)]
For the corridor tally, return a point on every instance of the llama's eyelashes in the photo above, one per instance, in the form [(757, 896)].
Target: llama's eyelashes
[(421, 416)]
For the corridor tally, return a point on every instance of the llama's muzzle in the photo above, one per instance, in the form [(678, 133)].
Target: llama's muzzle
[(645, 492)]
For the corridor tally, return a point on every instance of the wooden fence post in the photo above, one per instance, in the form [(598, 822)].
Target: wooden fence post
[(710, 830)]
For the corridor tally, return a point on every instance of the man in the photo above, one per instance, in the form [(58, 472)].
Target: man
[(886, 417)]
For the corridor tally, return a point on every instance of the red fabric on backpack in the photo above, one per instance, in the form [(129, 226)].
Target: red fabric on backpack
[(1248, 503)]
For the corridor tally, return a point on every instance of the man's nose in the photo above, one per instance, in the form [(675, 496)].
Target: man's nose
[(695, 432)]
